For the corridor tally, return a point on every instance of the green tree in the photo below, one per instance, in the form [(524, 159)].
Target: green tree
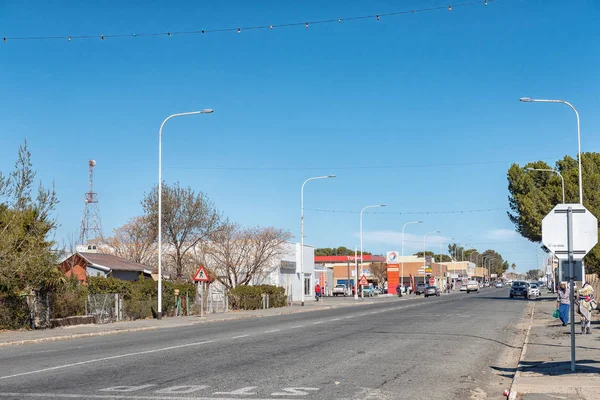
[(533, 194), (339, 251), (26, 258), (533, 274)]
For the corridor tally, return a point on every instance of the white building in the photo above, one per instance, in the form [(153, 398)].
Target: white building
[(286, 273)]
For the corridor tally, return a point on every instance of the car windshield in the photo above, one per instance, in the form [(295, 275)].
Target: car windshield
[(519, 284), (534, 286)]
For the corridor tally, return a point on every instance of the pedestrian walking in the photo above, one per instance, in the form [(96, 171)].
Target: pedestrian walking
[(562, 303), (586, 304), (317, 292)]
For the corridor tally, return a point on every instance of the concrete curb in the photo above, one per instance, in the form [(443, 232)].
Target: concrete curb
[(202, 320), (512, 392)]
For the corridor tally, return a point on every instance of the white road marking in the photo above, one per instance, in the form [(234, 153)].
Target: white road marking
[(125, 388), (298, 391), (240, 336), (248, 390), (95, 360), (115, 396), (335, 319), (273, 330), (182, 389), (318, 322), (297, 326)]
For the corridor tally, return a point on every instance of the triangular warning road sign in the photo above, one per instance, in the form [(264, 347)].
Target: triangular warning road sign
[(201, 275), (363, 281)]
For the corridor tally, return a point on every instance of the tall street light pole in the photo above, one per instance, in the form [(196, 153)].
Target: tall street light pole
[(404, 226), (441, 242), (555, 172), (529, 100), (361, 246), (302, 232), (205, 111), (424, 256)]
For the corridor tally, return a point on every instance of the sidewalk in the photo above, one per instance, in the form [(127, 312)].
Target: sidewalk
[(12, 338), (544, 370)]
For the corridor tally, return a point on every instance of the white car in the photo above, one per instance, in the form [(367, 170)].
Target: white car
[(472, 286), (533, 291), (463, 287), (499, 284)]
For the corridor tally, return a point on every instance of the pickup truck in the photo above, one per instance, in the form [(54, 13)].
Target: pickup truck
[(339, 290), (369, 290)]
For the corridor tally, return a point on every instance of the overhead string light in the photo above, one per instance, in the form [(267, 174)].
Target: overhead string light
[(258, 27)]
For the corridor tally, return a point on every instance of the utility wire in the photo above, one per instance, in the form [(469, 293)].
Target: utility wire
[(247, 28), (408, 212)]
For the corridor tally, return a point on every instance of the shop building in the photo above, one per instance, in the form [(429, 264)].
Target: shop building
[(341, 270)]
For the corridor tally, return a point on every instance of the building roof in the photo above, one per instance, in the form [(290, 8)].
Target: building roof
[(109, 262)]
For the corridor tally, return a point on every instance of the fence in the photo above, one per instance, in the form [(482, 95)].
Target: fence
[(105, 307)]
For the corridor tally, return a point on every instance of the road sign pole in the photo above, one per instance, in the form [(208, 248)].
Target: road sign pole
[(571, 283)]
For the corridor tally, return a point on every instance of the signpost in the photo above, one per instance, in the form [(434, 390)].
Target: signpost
[(201, 276), (363, 281), (570, 231)]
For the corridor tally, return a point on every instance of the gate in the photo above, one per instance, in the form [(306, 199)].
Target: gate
[(105, 307)]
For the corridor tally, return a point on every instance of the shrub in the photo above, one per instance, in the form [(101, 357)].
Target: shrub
[(250, 297), (68, 300), (14, 312)]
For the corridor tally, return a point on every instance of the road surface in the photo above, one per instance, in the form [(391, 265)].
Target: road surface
[(456, 346)]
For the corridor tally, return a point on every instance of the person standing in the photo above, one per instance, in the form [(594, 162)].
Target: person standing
[(562, 303), (586, 297)]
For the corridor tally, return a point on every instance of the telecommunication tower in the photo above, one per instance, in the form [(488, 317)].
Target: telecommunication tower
[(91, 227)]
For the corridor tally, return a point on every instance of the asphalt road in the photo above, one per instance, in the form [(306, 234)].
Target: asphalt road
[(456, 346)]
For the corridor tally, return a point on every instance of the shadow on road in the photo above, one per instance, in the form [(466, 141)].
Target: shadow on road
[(445, 335)]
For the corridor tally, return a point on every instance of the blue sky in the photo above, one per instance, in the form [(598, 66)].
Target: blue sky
[(417, 111)]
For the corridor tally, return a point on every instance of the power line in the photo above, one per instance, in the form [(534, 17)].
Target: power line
[(241, 29), (409, 212)]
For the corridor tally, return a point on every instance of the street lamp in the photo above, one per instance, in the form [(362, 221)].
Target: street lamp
[(404, 226), (361, 248), (205, 111), (441, 242), (302, 232), (424, 257), (553, 171), (529, 100)]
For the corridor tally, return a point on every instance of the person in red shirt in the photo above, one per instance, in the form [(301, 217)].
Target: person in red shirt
[(317, 292)]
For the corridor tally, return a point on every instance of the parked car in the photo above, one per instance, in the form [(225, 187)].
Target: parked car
[(519, 289), (340, 290), (431, 291), (533, 291), (420, 289), (463, 287), (369, 290), (499, 284), (472, 286)]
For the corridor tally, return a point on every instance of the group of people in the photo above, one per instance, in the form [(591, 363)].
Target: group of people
[(584, 303)]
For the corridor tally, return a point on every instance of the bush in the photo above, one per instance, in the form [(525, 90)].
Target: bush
[(250, 297), (68, 300), (14, 312)]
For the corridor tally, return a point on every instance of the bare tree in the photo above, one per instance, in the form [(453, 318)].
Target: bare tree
[(237, 255), (133, 241), (379, 271), (188, 218)]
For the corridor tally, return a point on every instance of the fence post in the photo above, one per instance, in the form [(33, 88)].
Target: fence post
[(117, 306), (267, 300)]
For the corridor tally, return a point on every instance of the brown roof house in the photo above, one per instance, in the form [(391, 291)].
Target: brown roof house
[(83, 264)]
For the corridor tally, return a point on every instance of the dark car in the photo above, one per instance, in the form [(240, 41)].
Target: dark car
[(420, 289), (431, 291), (519, 289)]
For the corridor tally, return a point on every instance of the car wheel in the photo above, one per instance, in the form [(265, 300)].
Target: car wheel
[(344, 294), (512, 296)]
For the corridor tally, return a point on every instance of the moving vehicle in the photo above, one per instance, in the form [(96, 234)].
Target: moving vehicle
[(499, 284), (534, 290), (420, 289), (431, 291), (519, 288), (463, 287), (472, 286), (339, 290), (369, 290)]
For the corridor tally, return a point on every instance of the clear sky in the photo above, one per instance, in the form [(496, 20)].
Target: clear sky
[(418, 111)]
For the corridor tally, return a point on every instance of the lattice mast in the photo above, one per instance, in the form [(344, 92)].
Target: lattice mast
[(91, 226)]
